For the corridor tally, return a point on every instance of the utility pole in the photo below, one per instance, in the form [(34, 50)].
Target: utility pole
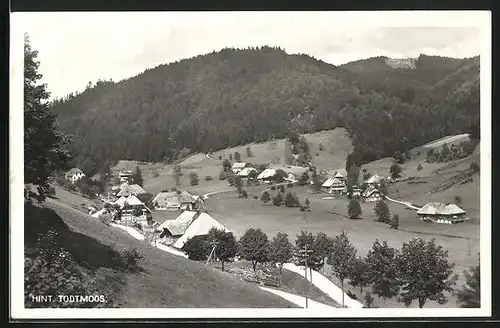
[(305, 255), (469, 246), (212, 253)]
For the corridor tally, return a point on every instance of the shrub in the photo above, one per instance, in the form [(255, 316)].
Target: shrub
[(131, 258), (193, 177), (249, 152), (266, 197), (351, 295), (458, 199), (474, 166), (220, 157), (321, 148), (302, 208), (208, 178), (222, 176), (197, 248), (419, 167), (369, 299), (395, 171), (106, 218), (244, 194), (255, 197), (353, 209), (50, 191), (291, 200), (395, 222), (282, 189), (173, 189), (277, 200), (317, 154), (273, 188)]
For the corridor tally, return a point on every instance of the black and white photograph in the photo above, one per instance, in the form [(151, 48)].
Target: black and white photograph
[(250, 164)]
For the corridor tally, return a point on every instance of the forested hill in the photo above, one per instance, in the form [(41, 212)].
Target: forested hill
[(235, 96)]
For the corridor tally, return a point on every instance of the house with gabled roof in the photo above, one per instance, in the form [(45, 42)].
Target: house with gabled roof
[(128, 190), (200, 226), (334, 186), (131, 210), (177, 200), (374, 181), (371, 194), (441, 213), (238, 166), (266, 176), (74, 175)]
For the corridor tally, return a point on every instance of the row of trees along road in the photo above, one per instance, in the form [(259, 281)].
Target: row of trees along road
[(419, 271)]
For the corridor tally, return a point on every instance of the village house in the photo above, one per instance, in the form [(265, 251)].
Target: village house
[(74, 175), (245, 173), (441, 213), (371, 195), (125, 175), (238, 166), (334, 186), (171, 230), (373, 181), (167, 201), (128, 190), (356, 191), (200, 226), (293, 172), (266, 176), (176, 201), (132, 210)]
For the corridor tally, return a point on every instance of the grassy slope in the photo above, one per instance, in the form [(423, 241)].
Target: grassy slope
[(166, 280), (335, 142)]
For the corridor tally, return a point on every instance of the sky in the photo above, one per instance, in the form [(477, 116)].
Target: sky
[(77, 48)]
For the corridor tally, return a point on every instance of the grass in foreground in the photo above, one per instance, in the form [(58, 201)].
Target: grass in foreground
[(165, 280)]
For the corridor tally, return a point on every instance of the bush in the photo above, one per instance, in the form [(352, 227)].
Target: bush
[(197, 248), (208, 178), (458, 199), (222, 176), (50, 191), (266, 197), (278, 200), (255, 197), (369, 299), (106, 219), (419, 167), (131, 258), (474, 166), (220, 157), (317, 154), (321, 148), (302, 208), (273, 188), (291, 200), (244, 194), (193, 177)]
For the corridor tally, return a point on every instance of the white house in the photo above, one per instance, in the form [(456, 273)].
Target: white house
[(374, 180), (334, 186), (238, 166), (244, 173), (74, 175), (125, 175), (266, 175), (200, 226)]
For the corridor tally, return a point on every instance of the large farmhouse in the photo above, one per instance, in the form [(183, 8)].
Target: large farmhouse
[(266, 176), (374, 181), (441, 213), (176, 201), (200, 226), (132, 210), (74, 175), (128, 190), (334, 186)]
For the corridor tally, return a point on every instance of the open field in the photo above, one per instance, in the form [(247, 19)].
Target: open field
[(336, 146), (166, 280), (240, 214)]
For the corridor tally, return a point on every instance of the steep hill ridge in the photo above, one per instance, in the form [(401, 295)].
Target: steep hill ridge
[(238, 96)]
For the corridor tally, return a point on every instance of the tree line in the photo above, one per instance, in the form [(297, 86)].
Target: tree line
[(418, 272), (238, 96)]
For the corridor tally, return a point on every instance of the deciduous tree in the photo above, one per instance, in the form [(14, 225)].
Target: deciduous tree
[(358, 276), (395, 171), (382, 211), (424, 272), (382, 270), (225, 244), (254, 247), (266, 197), (280, 250)]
